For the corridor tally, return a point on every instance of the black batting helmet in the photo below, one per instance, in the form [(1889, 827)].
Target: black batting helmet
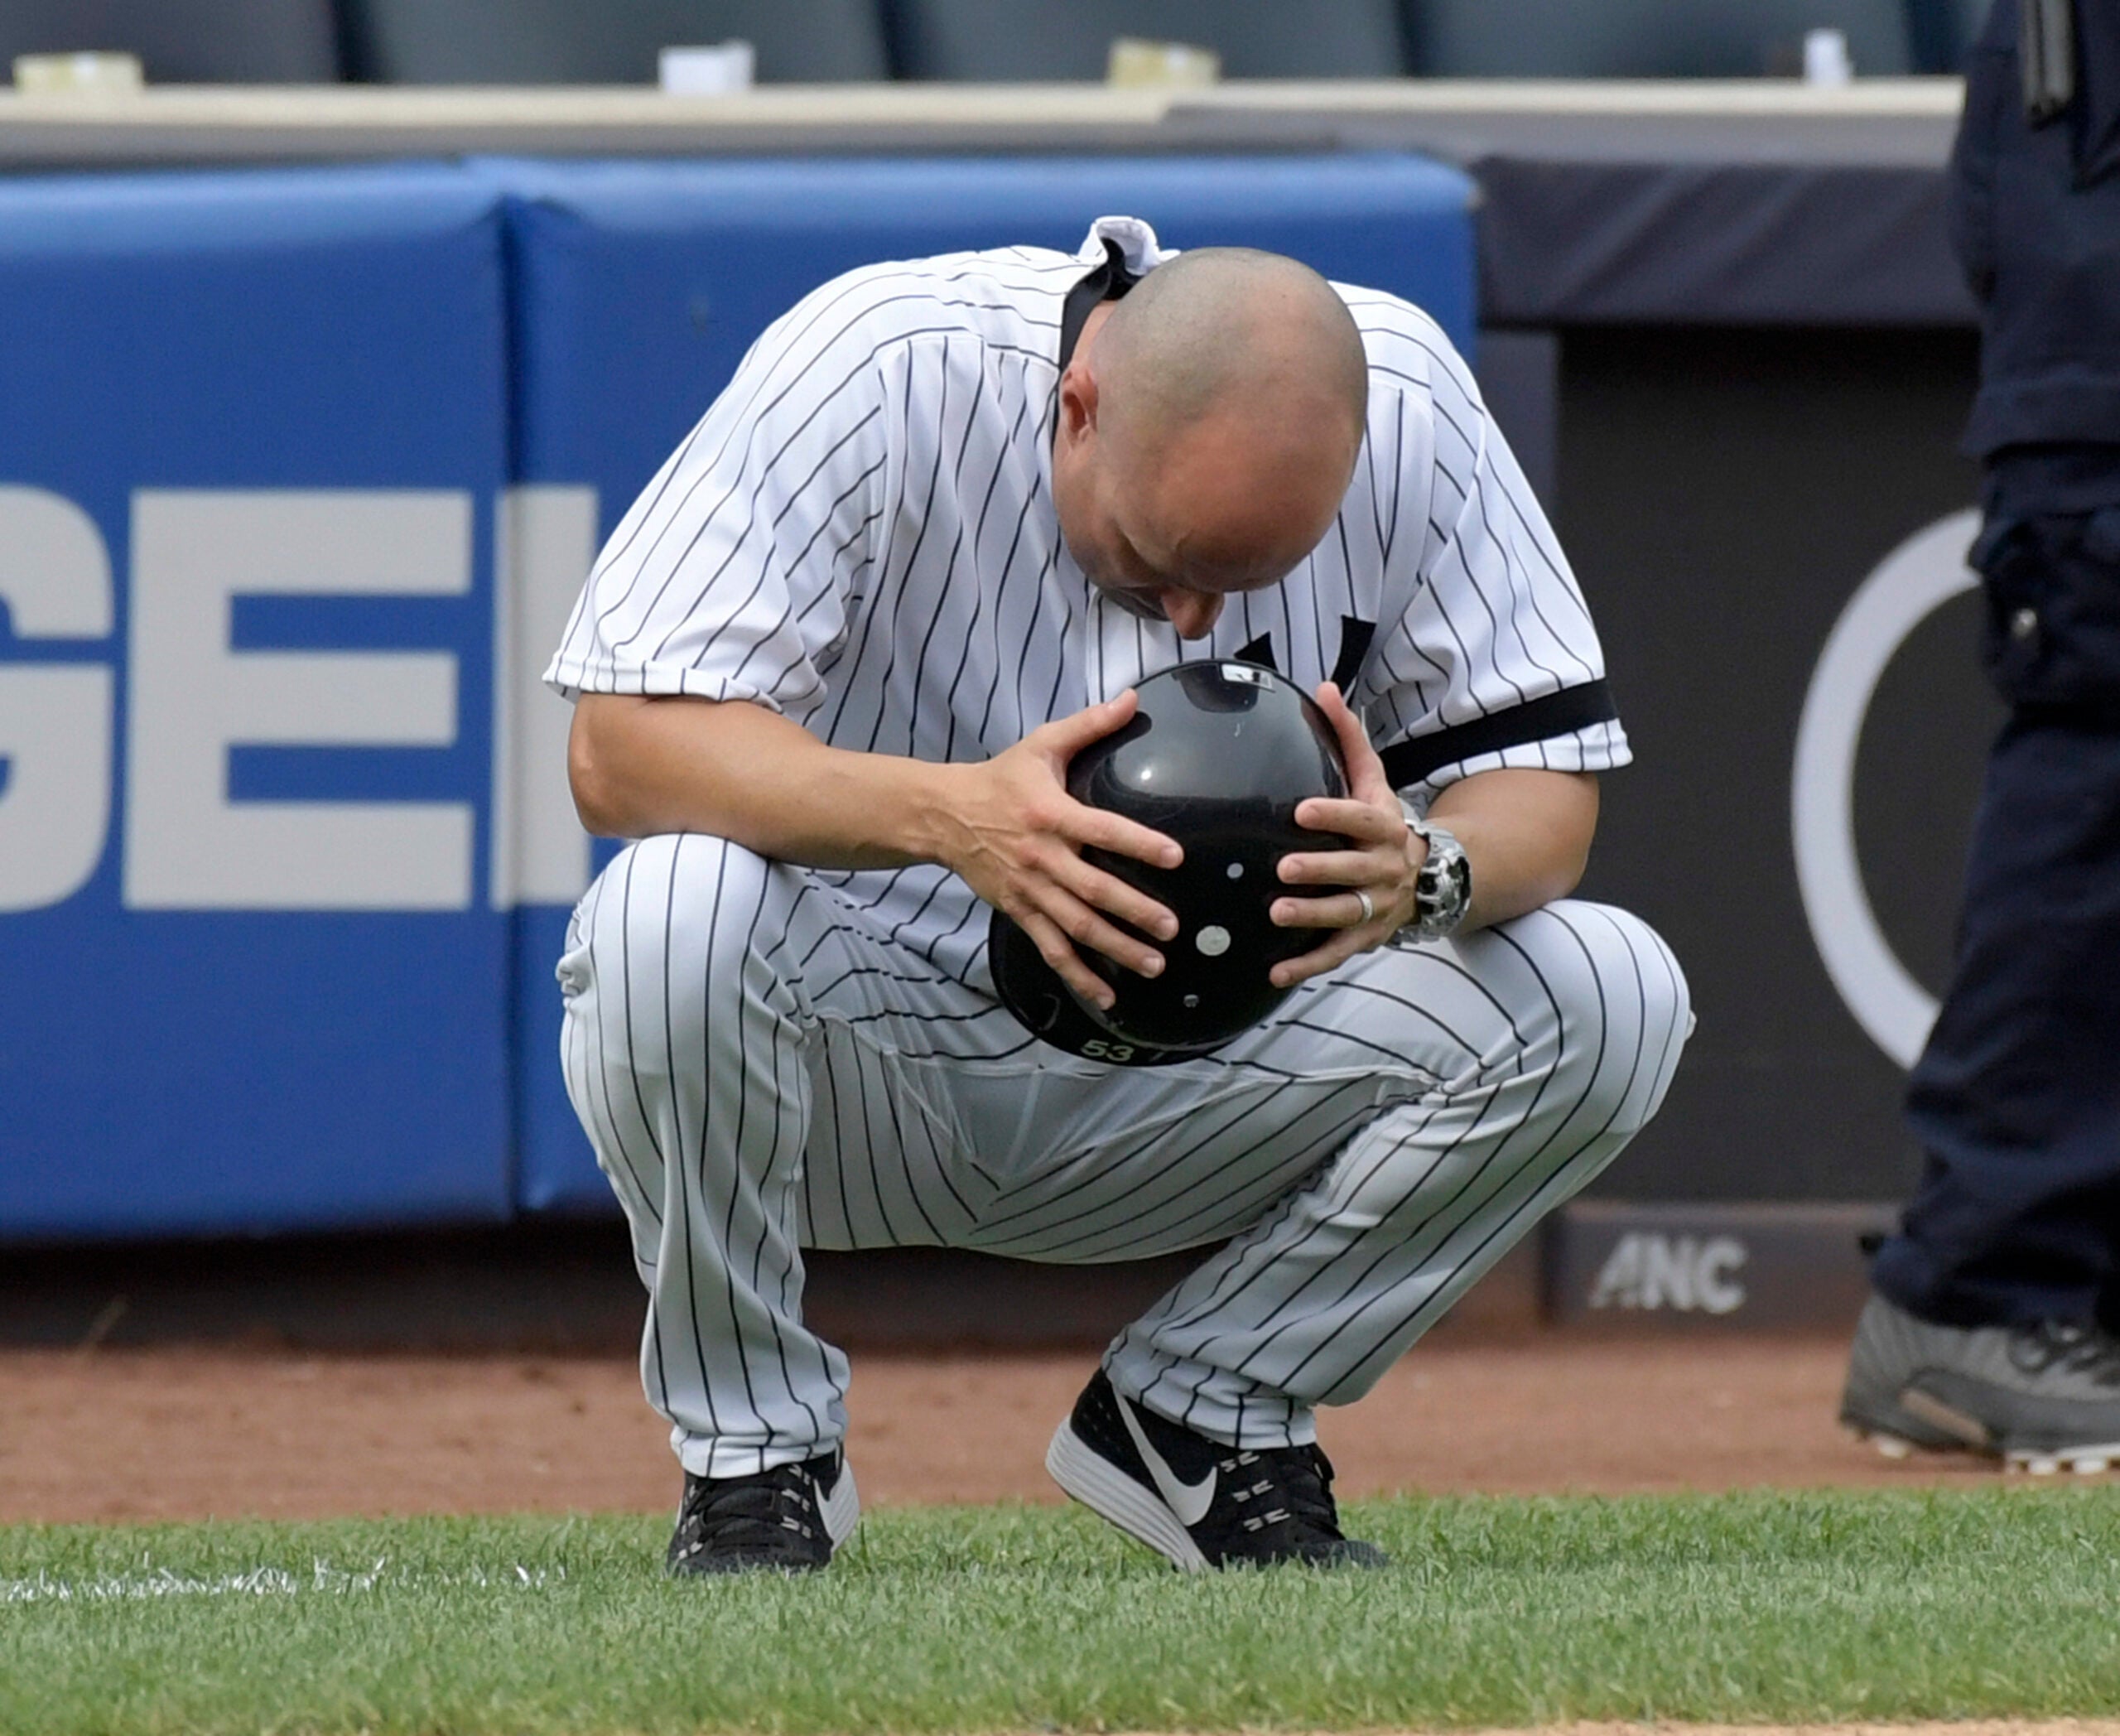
[(1217, 756)]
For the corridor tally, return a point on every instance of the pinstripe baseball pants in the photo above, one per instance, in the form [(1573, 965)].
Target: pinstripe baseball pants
[(759, 1071)]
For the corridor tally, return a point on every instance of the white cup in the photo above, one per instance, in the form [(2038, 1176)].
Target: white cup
[(717, 70), (1826, 60)]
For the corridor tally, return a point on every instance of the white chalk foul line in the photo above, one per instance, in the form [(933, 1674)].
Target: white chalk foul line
[(263, 1582)]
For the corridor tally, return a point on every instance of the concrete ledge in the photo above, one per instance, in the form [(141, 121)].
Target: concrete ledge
[(203, 124)]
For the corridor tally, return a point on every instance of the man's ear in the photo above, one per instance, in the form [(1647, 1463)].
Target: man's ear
[(1077, 401)]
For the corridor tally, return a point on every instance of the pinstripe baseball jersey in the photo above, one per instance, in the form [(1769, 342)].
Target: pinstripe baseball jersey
[(860, 534)]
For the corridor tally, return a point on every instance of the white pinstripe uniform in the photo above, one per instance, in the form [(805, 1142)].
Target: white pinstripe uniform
[(860, 535)]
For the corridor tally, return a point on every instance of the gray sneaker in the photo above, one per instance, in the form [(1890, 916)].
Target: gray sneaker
[(2039, 1398)]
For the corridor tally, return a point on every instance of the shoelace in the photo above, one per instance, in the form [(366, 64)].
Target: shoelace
[(2085, 1350), (1287, 1486), (752, 1512)]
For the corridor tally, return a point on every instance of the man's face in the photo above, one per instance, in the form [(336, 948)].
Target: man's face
[(1145, 574), (1211, 515)]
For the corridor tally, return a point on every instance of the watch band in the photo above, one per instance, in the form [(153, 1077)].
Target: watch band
[(1442, 890)]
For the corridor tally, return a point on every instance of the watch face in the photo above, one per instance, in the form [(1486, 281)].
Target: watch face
[(1443, 888)]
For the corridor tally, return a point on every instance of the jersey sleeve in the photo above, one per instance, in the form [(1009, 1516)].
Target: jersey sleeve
[(734, 574), (1496, 662)]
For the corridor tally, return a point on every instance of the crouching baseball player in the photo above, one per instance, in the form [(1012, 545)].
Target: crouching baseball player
[(831, 670)]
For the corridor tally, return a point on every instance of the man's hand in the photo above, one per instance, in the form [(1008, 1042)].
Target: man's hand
[(1526, 834), (1007, 825), (1383, 860), (1016, 837)]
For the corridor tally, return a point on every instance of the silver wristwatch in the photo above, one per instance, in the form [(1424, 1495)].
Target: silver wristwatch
[(1442, 890)]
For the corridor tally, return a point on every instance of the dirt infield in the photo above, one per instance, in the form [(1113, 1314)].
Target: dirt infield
[(136, 1434)]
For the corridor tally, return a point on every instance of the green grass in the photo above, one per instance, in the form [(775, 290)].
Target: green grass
[(1744, 1607)]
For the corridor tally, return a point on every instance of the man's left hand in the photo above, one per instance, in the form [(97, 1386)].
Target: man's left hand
[(1386, 858)]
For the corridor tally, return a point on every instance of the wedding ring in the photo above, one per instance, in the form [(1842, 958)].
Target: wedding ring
[(1368, 908)]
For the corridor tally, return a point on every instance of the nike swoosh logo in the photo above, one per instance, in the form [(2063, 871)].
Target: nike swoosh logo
[(1189, 1500)]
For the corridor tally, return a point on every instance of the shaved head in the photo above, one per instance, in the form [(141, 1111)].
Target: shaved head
[(1209, 425), (1231, 327)]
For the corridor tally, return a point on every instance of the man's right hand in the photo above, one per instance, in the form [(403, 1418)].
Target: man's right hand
[(1015, 835), (1006, 825)]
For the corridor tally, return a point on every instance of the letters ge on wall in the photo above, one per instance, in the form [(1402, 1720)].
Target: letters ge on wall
[(190, 695)]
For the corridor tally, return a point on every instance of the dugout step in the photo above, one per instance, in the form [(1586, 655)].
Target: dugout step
[(568, 1288), (1603, 1266)]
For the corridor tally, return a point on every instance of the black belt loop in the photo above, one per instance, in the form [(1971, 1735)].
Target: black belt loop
[(2046, 55)]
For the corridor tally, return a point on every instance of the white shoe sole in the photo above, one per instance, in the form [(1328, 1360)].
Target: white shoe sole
[(1110, 1493), (842, 1508), (2085, 1461)]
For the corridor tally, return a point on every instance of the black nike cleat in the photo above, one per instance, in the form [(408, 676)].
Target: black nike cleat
[(1193, 1500), (787, 1520)]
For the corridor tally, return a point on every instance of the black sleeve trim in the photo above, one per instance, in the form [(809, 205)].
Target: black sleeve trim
[(1538, 719)]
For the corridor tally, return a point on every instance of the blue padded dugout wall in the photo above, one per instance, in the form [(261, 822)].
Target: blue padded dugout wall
[(639, 286), (299, 471), (253, 426)]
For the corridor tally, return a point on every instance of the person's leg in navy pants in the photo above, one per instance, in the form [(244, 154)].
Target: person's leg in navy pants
[(2016, 1099), (1988, 1328)]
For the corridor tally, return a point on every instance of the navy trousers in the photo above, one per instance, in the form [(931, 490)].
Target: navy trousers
[(2015, 1101)]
